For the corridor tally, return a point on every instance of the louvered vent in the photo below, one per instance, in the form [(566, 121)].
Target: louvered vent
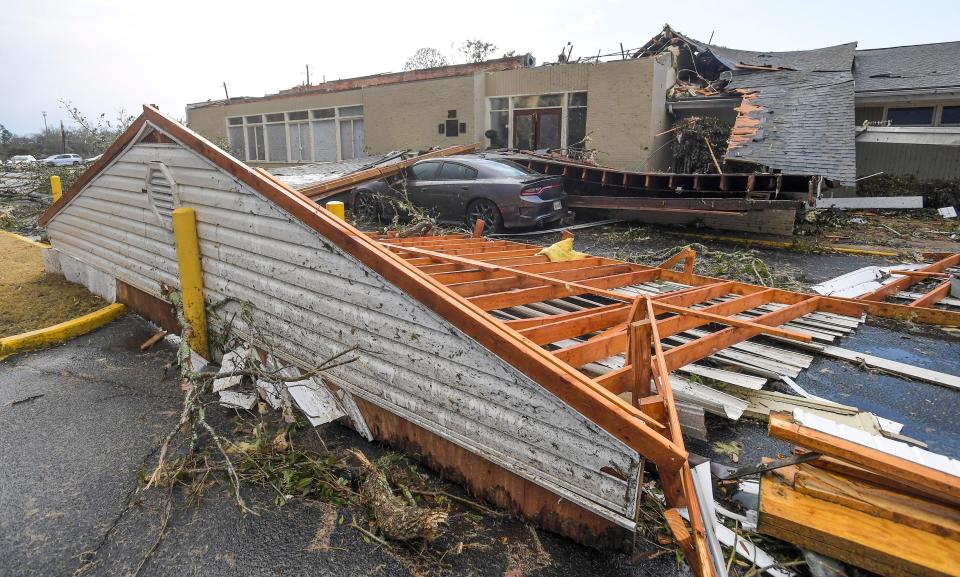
[(162, 193)]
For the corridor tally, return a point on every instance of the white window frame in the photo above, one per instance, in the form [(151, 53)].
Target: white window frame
[(286, 128), (564, 120)]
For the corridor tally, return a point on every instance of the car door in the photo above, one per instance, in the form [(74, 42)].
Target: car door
[(459, 181), (422, 185)]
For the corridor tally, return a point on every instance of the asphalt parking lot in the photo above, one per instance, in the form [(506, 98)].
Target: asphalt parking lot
[(80, 422)]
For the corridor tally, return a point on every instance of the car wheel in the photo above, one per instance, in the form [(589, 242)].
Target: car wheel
[(365, 207), (486, 210), (76, 164)]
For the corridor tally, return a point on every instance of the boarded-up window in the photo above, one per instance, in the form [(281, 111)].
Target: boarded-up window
[(300, 145), (277, 143), (324, 140), (351, 139)]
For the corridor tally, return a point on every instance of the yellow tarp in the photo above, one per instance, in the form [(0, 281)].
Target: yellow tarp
[(561, 251)]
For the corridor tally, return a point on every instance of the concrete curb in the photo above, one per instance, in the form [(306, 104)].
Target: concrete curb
[(61, 332), (788, 245)]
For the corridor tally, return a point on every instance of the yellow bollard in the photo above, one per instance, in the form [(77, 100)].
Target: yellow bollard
[(191, 279), (56, 189), (336, 207)]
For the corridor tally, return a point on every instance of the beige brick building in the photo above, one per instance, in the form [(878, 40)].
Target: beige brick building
[(616, 107)]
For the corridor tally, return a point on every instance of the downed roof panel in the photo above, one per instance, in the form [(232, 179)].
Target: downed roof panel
[(544, 381), (829, 59), (908, 67), (801, 122)]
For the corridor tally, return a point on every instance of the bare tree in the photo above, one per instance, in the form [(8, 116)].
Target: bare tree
[(95, 135), (426, 58), (476, 50)]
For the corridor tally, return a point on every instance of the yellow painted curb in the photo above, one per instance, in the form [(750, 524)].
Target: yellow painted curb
[(25, 239), (60, 332), (789, 245)]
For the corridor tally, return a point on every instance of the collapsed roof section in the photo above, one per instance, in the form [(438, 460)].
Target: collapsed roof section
[(797, 108)]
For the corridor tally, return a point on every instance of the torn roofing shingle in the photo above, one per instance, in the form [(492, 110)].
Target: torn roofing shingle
[(908, 67), (829, 59), (800, 122)]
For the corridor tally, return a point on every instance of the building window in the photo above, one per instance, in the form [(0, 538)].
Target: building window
[(537, 121), (500, 122), (916, 116), (538, 101), (576, 120), (255, 145), (950, 116), (870, 114), (323, 135), (235, 134)]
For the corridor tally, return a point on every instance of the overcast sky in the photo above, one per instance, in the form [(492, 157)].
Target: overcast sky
[(106, 54)]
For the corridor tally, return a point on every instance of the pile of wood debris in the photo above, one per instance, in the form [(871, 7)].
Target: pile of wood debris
[(869, 501)]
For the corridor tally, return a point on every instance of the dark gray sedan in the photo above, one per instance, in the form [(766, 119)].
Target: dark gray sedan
[(463, 189)]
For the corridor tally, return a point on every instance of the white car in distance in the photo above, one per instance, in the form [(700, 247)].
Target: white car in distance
[(62, 160)]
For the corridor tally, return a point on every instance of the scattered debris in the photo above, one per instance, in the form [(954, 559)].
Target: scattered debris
[(156, 338), (24, 400), (397, 519)]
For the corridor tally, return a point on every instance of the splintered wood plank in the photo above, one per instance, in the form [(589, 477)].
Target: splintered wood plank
[(861, 539), (918, 513), (936, 483)]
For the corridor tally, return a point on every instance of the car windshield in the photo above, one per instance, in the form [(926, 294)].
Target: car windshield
[(508, 168)]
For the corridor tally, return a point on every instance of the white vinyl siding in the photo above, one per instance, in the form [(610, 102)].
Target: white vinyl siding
[(310, 300)]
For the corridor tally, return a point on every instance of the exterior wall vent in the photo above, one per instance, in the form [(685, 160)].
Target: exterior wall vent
[(162, 193)]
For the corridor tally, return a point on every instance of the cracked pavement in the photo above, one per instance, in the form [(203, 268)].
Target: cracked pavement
[(78, 424)]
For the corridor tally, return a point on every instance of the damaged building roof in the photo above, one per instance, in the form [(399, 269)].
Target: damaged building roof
[(796, 122), (908, 67), (797, 108), (829, 59)]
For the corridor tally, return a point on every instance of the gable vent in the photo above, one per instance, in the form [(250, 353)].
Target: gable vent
[(162, 193)]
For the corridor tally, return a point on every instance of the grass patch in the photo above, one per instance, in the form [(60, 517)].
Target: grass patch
[(33, 299)]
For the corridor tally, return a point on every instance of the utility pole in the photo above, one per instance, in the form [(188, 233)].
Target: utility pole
[(45, 128), (225, 93), (63, 139), (308, 75)]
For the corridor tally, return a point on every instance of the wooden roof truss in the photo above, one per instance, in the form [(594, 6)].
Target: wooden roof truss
[(587, 311)]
